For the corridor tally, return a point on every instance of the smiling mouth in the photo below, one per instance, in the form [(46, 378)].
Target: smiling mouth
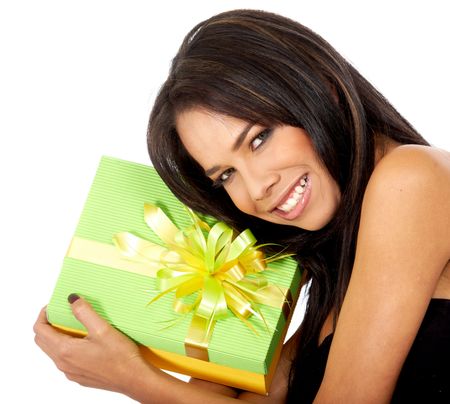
[(295, 196)]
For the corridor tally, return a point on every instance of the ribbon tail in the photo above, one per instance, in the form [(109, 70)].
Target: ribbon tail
[(180, 307), (269, 295), (167, 285), (159, 295), (198, 336), (244, 320), (158, 221), (242, 306)]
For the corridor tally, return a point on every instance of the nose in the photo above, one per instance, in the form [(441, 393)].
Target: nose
[(260, 183)]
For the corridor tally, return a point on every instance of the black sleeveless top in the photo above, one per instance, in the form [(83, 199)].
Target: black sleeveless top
[(425, 376)]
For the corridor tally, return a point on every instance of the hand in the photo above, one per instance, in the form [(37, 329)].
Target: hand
[(104, 359)]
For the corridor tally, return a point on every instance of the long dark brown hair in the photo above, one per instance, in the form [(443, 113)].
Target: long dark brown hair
[(269, 70)]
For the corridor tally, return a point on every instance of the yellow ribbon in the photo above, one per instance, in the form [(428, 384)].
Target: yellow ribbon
[(207, 261)]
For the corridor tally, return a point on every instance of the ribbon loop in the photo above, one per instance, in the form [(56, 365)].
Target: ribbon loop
[(206, 261)]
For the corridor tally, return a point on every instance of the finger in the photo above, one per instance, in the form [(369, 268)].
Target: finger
[(83, 380), (42, 319), (45, 330), (52, 342), (86, 315), (55, 344), (45, 347)]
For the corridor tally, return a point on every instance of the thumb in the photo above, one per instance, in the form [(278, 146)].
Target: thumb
[(86, 315)]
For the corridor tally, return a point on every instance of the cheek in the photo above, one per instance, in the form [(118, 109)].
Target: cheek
[(240, 198), (334, 198), (294, 150)]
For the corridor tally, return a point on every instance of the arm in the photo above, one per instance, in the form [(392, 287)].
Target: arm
[(402, 248), (107, 359)]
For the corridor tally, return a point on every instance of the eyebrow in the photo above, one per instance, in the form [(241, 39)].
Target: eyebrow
[(240, 139)]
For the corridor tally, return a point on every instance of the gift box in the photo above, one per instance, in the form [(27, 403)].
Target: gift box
[(138, 297)]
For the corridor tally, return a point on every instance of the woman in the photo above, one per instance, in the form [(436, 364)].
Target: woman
[(261, 123)]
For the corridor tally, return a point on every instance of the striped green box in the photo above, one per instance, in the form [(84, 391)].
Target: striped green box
[(115, 204)]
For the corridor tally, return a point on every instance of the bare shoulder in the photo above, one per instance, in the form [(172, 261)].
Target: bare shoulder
[(410, 189), (414, 162), (402, 249), (414, 171)]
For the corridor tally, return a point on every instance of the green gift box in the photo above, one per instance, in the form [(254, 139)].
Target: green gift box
[(239, 354)]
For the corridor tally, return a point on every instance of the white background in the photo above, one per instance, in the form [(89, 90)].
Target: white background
[(77, 81)]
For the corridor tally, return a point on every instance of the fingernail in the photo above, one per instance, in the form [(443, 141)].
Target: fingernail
[(73, 297)]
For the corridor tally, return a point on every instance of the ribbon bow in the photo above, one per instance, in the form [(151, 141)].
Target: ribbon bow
[(206, 261)]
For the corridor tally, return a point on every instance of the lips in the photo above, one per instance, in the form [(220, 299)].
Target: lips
[(292, 205), (295, 196)]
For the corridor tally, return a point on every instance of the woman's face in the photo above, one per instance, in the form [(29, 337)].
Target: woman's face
[(270, 173)]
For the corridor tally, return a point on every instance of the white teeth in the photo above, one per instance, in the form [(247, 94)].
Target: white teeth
[(294, 199), (291, 202)]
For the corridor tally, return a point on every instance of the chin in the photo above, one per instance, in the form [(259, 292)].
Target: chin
[(315, 225)]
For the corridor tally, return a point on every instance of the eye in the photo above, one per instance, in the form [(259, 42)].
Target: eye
[(222, 178), (260, 138)]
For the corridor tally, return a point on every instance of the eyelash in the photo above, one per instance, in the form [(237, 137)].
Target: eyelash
[(217, 183), (262, 137)]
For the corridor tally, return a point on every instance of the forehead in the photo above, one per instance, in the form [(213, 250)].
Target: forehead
[(205, 133)]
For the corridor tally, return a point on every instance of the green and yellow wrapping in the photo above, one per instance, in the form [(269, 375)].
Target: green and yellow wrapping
[(216, 311)]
